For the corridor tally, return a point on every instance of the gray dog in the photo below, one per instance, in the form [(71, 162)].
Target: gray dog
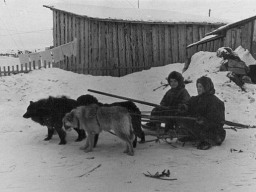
[(93, 119)]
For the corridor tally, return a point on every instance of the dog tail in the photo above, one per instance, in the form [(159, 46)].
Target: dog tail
[(127, 132)]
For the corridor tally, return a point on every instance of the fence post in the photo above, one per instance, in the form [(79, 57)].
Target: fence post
[(0, 72), (17, 68), (4, 71), (30, 66), (34, 65), (39, 64), (26, 67)]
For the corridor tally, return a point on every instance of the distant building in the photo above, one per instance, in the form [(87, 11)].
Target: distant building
[(118, 41)]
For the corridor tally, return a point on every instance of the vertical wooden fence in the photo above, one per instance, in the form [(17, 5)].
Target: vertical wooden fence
[(12, 70)]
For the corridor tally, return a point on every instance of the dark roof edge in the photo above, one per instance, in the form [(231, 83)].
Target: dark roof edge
[(231, 25), (204, 41)]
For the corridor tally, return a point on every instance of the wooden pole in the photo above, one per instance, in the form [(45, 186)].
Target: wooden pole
[(128, 99), (229, 123)]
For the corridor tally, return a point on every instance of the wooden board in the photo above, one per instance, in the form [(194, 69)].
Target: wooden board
[(175, 43), (182, 42), (121, 49), (155, 41), (167, 45)]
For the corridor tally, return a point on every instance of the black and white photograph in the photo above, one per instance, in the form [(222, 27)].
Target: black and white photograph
[(128, 95)]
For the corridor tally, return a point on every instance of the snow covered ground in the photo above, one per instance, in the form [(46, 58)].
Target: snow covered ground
[(28, 163)]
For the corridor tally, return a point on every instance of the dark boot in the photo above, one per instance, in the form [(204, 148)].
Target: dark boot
[(203, 145)]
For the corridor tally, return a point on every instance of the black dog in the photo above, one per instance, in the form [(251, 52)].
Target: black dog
[(130, 106), (50, 112)]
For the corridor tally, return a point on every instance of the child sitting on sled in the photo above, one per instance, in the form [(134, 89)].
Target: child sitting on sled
[(174, 97), (209, 112)]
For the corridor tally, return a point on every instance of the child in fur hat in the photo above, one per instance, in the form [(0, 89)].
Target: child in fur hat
[(173, 98), (210, 113)]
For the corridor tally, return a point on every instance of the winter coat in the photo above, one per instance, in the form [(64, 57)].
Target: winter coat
[(211, 110), (174, 97)]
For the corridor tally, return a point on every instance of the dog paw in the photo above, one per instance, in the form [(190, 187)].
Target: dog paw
[(88, 150), (83, 147), (47, 139), (79, 139), (131, 153), (62, 143)]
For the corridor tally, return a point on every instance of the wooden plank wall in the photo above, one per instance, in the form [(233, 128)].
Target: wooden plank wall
[(116, 49)]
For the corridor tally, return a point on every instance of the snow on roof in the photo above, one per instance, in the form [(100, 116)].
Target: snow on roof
[(231, 25), (203, 40), (215, 34), (132, 14)]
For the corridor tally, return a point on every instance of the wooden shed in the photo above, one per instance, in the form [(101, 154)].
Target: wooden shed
[(118, 41), (231, 35)]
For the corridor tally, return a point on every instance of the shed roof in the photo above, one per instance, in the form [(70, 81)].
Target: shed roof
[(231, 25), (217, 33), (132, 14)]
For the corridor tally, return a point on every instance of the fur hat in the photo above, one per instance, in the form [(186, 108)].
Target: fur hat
[(207, 83), (177, 76)]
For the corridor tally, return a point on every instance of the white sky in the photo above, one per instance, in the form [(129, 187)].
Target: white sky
[(27, 24)]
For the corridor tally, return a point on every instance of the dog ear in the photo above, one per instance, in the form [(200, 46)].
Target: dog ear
[(31, 102)]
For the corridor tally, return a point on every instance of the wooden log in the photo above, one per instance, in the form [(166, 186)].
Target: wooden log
[(168, 117), (129, 99), (164, 117)]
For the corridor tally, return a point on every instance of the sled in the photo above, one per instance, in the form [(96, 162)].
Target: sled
[(160, 131)]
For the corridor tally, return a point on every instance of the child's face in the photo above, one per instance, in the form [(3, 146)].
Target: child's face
[(173, 83), (200, 88)]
